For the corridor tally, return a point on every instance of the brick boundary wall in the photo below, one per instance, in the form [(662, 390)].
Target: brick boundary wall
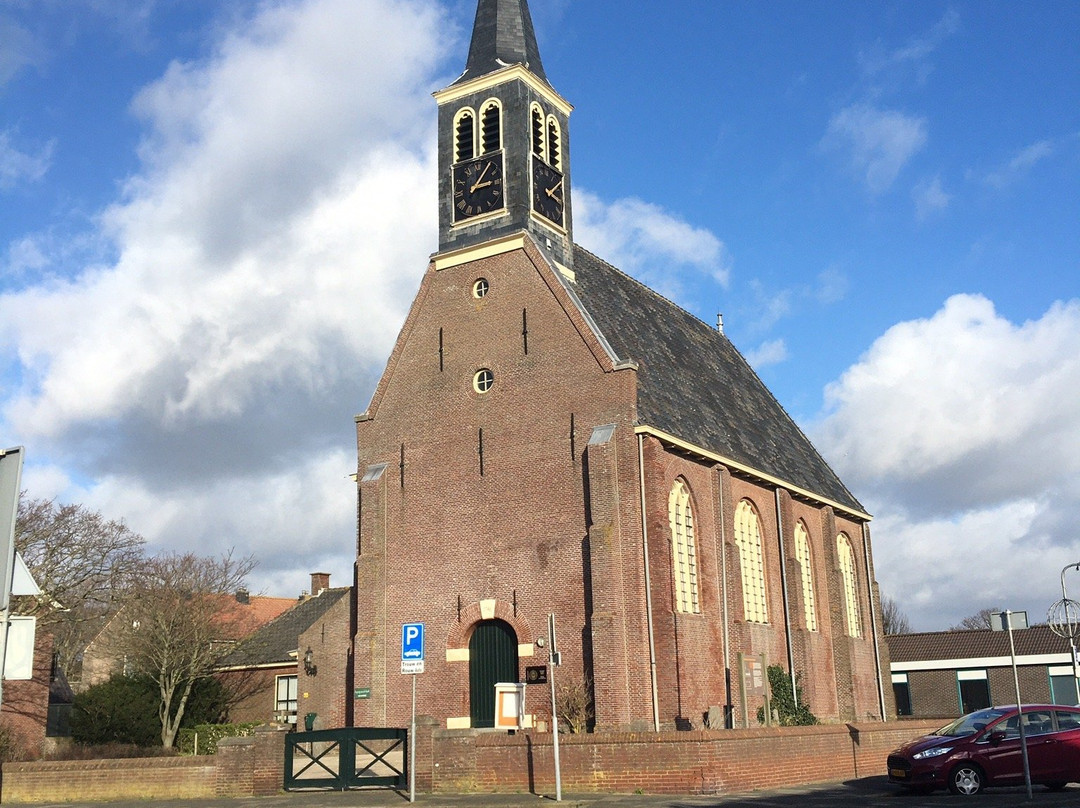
[(699, 762), (242, 767), (462, 761)]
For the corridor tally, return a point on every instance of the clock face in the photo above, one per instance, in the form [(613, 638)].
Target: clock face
[(478, 187), (548, 191)]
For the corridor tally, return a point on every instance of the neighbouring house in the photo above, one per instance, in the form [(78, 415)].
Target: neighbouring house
[(551, 437), (943, 674), (274, 670), (102, 660)]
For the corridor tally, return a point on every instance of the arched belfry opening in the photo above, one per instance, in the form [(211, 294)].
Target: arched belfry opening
[(493, 658)]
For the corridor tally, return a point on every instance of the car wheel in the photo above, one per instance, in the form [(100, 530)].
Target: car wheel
[(966, 779), (1056, 786)]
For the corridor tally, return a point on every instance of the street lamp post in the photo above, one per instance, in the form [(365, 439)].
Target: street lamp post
[(1064, 620)]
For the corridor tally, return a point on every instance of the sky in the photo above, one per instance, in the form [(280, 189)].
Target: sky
[(202, 272)]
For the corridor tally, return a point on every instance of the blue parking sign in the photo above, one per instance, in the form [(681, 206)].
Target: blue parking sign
[(412, 648)]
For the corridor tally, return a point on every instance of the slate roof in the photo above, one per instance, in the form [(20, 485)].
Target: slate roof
[(695, 385), (276, 641), (502, 35), (973, 644)]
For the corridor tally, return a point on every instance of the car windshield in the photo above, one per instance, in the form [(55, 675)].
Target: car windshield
[(971, 723)]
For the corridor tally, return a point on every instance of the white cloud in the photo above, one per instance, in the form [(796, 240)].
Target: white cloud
[(915, 54), (20, 166), (880, 141), (649, 243), (930, 197), (202, 384), (1019, 165), (19, 48), (962, 431), (768, 353)]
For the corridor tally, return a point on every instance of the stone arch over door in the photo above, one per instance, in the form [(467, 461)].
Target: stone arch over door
[(493, 658)]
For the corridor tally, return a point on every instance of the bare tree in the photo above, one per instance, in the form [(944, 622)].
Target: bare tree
[(85, 565), (183, 621), (981, 619), (893, 619)]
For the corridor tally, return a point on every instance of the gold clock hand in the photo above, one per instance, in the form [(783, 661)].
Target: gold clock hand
[(481, 177)]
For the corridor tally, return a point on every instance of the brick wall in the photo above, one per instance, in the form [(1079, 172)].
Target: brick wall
[(26, 702), (698, 762), (242, 767)]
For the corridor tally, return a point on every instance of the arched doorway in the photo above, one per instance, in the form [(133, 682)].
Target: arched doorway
[(493, 658)]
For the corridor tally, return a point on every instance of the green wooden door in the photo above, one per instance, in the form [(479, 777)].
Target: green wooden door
[(492, 659)]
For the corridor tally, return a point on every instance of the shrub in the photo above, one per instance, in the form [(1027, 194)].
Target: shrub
[(209, 735), (783, 702), (573, 701), (124, 710)]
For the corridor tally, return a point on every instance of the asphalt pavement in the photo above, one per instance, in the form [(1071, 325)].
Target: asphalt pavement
[(866, 792)]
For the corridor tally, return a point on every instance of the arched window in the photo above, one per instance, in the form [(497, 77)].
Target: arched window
[(464, 135), (684, 550), (491, 127), (751, 563), (554, 143), (851, 590), (802, 555), (537, 117)]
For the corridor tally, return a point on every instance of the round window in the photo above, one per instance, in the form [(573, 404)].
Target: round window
[(480, 288), (483, 380)]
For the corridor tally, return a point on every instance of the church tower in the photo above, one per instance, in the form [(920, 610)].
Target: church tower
[(504, 157)]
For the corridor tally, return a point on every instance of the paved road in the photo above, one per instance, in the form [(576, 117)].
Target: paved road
[(867, 792)]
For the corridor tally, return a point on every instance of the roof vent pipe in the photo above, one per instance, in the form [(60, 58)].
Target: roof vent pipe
[(720, 323)]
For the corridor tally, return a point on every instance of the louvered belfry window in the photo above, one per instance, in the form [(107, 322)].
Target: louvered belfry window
[(554, 149), (537, 131), (464, 136), (491, 128)]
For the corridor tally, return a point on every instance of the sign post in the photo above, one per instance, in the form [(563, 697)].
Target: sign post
[(412, 662), (555, 660), (11, 461), (1006, 621)]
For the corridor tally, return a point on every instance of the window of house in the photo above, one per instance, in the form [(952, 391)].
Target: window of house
[(684, 562), (481, 287), (851, 589), (1062, 685), (751, 563), (902, 694), (974, 690), (802, 555), (285, 697), (483, 380)]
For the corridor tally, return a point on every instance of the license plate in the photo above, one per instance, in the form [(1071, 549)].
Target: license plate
[(897, 773)]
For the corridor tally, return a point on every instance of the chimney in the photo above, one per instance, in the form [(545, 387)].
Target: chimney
[(243, 596), (319, 582)]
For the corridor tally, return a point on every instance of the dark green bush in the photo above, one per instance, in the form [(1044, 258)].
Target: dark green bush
[(783, 702), (124, 710)]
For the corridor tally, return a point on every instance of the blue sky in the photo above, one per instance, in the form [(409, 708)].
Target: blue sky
[(197, 293)]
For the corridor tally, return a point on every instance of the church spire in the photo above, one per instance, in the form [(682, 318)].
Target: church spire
[(502, 35)]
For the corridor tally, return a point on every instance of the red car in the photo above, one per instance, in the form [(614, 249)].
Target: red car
[(983, 749)]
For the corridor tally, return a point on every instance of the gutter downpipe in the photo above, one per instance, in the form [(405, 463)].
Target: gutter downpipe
[(873, 618), (784, 600), (648, 583), (729, 709)]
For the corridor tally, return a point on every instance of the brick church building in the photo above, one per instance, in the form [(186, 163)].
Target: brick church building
[(550, 436)]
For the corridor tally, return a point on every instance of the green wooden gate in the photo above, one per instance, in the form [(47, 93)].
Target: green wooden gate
[(341, 759), (493, 658)]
